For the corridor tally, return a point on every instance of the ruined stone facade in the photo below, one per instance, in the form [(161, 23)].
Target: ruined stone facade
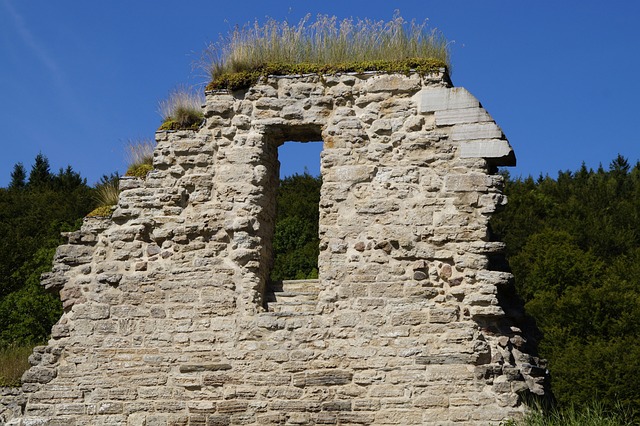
[(169, 315)]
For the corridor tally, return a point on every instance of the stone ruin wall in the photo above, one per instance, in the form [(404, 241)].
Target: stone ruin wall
[(169, 316)]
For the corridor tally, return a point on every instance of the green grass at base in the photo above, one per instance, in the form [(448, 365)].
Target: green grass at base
[(14, 361)]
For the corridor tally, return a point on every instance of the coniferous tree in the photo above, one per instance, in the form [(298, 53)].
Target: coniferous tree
[(30, 224), (40, 175), (573, 244), (18, 177)]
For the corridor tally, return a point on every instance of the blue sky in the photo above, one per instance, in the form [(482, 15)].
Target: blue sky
[(80, 79)]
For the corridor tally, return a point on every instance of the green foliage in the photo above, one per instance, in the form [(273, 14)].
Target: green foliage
[(18, 177), (139, 170), (296, 241), (40, 175), (573, 244), (325, 46), (102, 211), (32, 216)]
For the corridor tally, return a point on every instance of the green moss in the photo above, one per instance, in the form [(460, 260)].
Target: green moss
[(171, 124), (102, 211), (244, 79), (139, 170)]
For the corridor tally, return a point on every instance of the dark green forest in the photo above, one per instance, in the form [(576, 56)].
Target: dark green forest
[(295, 240), (573, 245), (34, 209)]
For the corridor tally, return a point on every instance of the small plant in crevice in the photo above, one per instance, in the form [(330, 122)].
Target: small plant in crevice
[(106, 194), (182, 110), (139, 154)]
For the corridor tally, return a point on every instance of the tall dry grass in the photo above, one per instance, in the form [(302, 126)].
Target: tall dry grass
[(595, 414), (107, 191), (182, 109), (139, 157), (139, 151), (326, 40), (13, 363)]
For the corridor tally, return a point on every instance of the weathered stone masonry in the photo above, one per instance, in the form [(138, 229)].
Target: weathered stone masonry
[(169, 316)]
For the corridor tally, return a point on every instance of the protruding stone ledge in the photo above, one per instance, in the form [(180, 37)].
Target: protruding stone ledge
[(497, 151), (445, 98)]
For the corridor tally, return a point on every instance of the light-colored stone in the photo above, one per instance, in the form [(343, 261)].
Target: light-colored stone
[(450, 117), (169, 315), (490, 149), (439, 98), (473, 131)]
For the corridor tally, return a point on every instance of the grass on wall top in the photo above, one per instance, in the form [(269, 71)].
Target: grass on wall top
[(324, 46)]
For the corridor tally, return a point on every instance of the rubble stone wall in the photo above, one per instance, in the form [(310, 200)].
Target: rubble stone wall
[(168, 319)]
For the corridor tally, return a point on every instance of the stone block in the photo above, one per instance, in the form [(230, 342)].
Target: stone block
[(394, 83), (293, 406), (218, 420), (232, 406), (322, 378), (497, 150), (443, 315), (400, 417), (433, 99), (110, 407), (476, 131), (461, 116), (467, 182), (191, 368), (356, 418)]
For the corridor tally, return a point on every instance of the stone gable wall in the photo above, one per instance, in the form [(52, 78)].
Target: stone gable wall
[(168, 315)]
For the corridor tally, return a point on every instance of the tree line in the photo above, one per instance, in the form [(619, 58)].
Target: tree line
[(573, 245), (34, 209)]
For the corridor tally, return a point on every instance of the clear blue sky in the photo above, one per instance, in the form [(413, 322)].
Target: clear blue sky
[(79, 79)]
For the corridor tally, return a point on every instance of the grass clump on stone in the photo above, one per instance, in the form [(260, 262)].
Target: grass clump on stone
[(182, 110), (325, 46), (106, 194), (139, 155)]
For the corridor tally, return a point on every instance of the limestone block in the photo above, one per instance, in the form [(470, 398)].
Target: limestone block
[(497, 150), (322, 378), (392, 83), (73, 254), (467, 182), (433, 99), (461, 116), (473, 131)]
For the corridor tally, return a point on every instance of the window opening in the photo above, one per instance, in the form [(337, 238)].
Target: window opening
[(295, 240)]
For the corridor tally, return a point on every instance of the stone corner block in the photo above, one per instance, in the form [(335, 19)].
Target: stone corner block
[(497, 151), (433, 99)]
